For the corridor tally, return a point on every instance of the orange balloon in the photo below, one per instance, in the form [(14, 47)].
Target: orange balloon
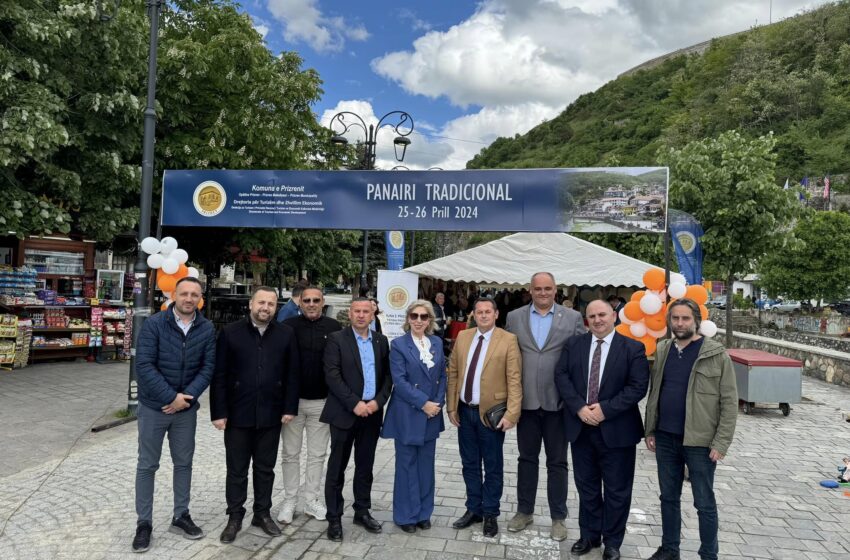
[(633, 311), (703, 310), (656, 322), (182, 272), (164, 306), (697, 293), (624, 330), (166, 282), (649, 343), (201, 304), (637, 295), (654, 279)]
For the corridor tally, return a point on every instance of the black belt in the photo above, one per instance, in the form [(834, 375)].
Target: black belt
[(473, 406)]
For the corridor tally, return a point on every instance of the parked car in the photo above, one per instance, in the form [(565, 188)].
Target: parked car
[(766, 304), (718, 302), (786, 306), (842, 307)]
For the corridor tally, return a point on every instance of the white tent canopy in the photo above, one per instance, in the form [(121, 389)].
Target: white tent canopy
[(513, 259)]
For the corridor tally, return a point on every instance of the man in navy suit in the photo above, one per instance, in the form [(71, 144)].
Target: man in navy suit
[(601, 377)]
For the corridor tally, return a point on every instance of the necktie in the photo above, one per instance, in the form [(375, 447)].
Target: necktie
[(470, 374), (593, 381)]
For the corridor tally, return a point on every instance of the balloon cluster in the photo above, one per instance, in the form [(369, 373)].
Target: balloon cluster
[(171, 261), (644, 318)]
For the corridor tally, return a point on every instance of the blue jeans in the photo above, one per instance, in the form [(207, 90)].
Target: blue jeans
[(479, 444), (671, 457), (153, 425)]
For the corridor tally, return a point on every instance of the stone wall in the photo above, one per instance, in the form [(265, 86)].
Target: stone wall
[(826, 364), (815, 329)]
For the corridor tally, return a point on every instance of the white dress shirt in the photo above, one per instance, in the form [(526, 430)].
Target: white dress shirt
[(476, 382), (606, 345)]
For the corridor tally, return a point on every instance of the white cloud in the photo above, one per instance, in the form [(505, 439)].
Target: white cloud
[(304, 22)]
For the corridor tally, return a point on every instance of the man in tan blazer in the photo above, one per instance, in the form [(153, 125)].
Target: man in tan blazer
[(484, 370)]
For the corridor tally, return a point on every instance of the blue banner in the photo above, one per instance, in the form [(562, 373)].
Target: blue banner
[(394, 240), (612, 199), (686, 232)]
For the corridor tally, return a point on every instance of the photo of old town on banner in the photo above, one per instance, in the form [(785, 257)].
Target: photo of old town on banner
[(604, 199)]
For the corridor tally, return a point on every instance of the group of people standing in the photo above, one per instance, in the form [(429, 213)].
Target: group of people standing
[(555, 380)]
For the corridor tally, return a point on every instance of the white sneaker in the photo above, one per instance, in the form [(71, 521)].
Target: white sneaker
[(316, 509), (286, 513)]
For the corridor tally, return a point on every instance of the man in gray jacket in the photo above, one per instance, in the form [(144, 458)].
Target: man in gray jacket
[(691, 413), (542, 328)]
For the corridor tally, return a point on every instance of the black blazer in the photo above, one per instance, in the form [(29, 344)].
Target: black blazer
[(344, 376), (256, 377), (624, 383)]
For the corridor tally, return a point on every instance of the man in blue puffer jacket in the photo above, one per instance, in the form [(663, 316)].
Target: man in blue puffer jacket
[(175, 359)]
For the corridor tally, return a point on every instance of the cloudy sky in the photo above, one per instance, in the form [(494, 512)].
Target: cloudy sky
[(469, 72)]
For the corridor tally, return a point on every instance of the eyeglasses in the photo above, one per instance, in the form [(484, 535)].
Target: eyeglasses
[(311, 300), (419, 316)]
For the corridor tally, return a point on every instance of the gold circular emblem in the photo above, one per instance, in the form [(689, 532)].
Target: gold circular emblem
[(397, 297), (209, 199), (687, 241), (396, 239)]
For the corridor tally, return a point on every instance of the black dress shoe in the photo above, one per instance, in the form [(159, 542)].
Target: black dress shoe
[(408, 528), (335, 530), (368, 522), (468, 519), (424, 525), (583, 546), (234, 525), (611, 553), (265, 522), (491, 527)]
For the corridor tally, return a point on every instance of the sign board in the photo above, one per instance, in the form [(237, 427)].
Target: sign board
[(604, 199), (396, 291)]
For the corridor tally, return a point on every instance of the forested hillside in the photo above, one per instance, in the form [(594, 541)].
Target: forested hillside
[(792, 78)]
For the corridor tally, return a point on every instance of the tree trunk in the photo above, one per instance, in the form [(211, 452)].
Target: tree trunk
[(729, 299)]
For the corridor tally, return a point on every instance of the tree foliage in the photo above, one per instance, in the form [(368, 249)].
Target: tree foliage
[(818, 266)]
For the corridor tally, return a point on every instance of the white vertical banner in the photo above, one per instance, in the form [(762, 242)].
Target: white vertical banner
[(396, 291)]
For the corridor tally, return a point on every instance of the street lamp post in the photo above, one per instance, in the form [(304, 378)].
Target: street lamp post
[(400, 122)]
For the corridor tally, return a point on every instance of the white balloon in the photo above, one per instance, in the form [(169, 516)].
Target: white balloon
[(155, 260), (179, 255), (169, 244), (676, 278), (638, 329), (658, 333), (708, 328), (193, 272), (677, 290), (624, 319), (170, 265), (150, 245), (650, 303)]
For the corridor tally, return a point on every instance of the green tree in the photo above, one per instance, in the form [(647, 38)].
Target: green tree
[(727, 183), (817, 266)]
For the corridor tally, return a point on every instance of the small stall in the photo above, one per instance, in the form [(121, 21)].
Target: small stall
[(767, 378)]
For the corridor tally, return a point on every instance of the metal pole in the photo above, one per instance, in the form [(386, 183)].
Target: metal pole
[(140, 286), (368, 165), (412, 248)]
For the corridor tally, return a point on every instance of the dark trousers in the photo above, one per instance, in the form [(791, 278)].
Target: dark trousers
[(671, 457), (480, 445), (413, 488), (603, 477), (363, 436), (536, 427), (242, 446)]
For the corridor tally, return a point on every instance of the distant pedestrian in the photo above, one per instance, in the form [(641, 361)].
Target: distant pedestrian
[(691, 414), (175, 359), (254, 391), (292, 307)]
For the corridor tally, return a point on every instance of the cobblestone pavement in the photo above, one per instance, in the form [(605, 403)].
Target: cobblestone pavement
[(68, 494)]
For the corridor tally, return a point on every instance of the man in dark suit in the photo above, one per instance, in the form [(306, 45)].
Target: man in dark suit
[(254, 392), (542, 328), (357, 371), (484, 370), (601, 377)]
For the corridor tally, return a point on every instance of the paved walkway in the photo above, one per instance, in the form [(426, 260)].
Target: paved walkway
[(66, 493)]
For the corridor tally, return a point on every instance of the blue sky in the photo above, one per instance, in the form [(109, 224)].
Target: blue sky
[(471, 71)]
